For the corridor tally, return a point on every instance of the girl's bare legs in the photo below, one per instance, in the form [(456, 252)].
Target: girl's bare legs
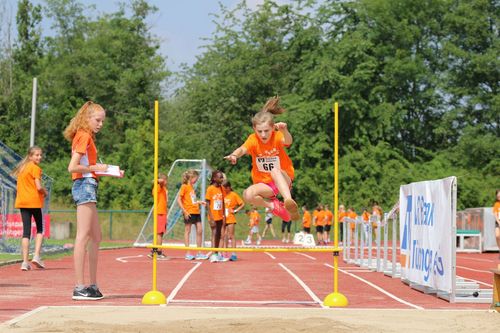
[(187, 231), (256, 193), (84, 229), (497, 235), (198, 234), (93, 248), (25, 247), (38, 245), (283, 182)]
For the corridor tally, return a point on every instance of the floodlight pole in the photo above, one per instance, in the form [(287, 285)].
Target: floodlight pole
[(33, 114)]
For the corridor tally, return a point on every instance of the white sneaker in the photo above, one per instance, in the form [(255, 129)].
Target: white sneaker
[(38, 262), (258, 242), (25, 266), (248, 242), (223, 259), (214, 258)]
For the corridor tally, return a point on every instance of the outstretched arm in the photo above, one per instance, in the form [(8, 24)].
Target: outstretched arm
[(236, 154)]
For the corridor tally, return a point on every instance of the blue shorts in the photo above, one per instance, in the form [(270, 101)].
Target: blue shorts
[(84, 190)]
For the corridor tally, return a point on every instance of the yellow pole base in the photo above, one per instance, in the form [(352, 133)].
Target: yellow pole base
[(154, 297), (335, 300)]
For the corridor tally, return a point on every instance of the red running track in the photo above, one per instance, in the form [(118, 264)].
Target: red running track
[(275, 279)]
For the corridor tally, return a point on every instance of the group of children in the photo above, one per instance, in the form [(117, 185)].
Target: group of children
[(322, 220), (272, 174)]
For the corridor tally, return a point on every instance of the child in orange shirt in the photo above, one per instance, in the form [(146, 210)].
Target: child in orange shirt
[(272, 169), (328, 224), (81, 132), (214, 198), (233, 204), (306, 220), (254, 219), (319, 222), (161, 213), (342, 215), (190, 207), (29, 199), (496, 212)]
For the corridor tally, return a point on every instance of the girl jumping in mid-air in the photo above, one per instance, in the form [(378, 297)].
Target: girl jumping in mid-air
[(272, 169)]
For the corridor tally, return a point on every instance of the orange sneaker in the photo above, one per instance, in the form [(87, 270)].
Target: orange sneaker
[(293, 209)]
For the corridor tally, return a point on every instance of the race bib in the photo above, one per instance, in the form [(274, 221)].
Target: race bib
[(266, 164), (217, 205), (193, 197)]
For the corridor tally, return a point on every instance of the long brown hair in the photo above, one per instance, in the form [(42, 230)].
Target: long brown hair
[(81, 120), (265, 115), (20, 166), (188, 174)]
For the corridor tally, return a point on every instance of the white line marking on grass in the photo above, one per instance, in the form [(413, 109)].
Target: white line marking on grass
[(305, 255), (479, 282), (181, 282), (303, 285), (394, 297), (474, 270), (122, 259), (269, 254)]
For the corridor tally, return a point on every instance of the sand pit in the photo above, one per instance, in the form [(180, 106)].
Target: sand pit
[(172, 319)]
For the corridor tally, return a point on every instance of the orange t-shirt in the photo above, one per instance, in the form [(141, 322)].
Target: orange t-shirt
[(254, 218), (352, 215), (342, 215), (83, 143), (27, 194), (306, 219), (320, 218), (162, 199), (215, 195), (496, 209), (188, 199), (267, 156), (231, 201), (328, 217), (365, 216)]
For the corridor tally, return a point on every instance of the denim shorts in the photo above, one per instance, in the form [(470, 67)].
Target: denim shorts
[(84, 190)]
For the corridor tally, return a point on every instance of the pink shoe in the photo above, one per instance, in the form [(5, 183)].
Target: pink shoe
[(280, 211)]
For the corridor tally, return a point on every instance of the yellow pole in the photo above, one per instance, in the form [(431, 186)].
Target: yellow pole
[(154, 296), (336, 299)]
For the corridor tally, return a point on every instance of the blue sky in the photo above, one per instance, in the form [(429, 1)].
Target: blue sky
[(180, 24)]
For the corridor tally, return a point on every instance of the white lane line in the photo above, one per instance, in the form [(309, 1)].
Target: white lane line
[(240, 302), (122, 259), (305, 255), (181, 282), (26, 315), (474, 270), (303, 285), (269, 254), (394, 297), (475, 259), (479, 282)]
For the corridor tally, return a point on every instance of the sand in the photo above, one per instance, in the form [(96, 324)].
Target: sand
[(175, 319)]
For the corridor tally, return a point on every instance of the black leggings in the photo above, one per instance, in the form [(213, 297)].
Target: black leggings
[(26, 214), (287, 225)]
